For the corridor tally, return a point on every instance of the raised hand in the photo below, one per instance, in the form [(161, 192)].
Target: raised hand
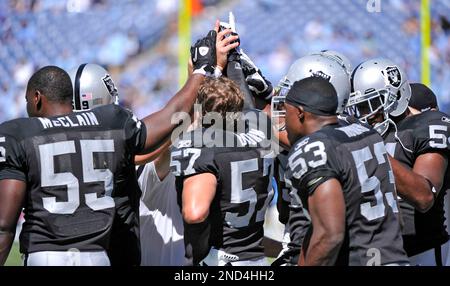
[(203, 54), (225, 42)]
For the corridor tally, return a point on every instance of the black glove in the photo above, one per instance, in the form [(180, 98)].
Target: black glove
[(203, 54), (257, 83)]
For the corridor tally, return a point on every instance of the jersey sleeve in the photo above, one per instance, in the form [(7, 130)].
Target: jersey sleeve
[(186, 162), (135, 132), (12, 158), (311, 163), (116, 117), (433, 135), (283, 198)]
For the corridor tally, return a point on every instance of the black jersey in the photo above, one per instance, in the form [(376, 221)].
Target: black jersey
[(356, 156), (79, 173), (289, 205), (283, 198), (243, 166), (420, 134)]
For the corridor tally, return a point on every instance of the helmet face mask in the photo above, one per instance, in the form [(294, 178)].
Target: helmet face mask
[(277, 105), (372, 108), (379, 87)]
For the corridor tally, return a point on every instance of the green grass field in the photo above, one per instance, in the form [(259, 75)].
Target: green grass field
[(14, 258)]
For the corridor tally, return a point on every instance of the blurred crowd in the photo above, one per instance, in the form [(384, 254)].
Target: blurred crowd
[(138, 40)]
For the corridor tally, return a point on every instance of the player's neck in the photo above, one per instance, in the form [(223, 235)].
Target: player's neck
[(57, 110), (316, 125)]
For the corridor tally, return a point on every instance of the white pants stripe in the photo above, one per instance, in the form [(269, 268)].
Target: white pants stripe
[(257, 262), (67, 258), (427, 258)]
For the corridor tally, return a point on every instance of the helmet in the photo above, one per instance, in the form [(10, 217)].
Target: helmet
[(92, 87), (338, 57), (378, 85), (319, 65)]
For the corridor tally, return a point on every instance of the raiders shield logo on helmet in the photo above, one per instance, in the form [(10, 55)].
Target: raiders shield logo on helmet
[(392, 75), (321, 74), (109, 83)]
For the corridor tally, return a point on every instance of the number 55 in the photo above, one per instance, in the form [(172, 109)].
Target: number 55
[(51, 179), (438, 136), (2, 150)]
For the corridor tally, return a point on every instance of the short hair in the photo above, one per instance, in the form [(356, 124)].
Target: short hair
[(53, 82), (220, 95)]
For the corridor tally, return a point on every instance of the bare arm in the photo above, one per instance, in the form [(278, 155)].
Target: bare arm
[(414, 185), (198, 193), (12, 195), (162, 164), (223, 45), (327, 210), (144, 159), (159, 125)]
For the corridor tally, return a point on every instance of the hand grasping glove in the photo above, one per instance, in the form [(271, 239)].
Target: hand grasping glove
[(226, 41)]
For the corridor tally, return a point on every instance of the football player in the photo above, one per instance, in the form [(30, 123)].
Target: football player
[(341, 174), (423, 99), (73, 171), (161, 226), (419, 146), (223, 181), (94, 87), (334, 67)]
